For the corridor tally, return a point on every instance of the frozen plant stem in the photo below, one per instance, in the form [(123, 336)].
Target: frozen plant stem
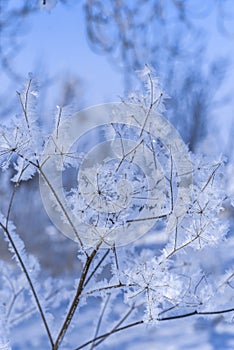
[(39, 169), (100, 320), (61, 206), (25, 271), (137, 323), (23, 266), (76, 299), (24, 104), (128, 313)]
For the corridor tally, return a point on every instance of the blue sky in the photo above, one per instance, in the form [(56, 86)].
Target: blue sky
[(55, 43), (55, 46)]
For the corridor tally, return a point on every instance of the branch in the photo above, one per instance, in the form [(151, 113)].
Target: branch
[(76, 299), (105, 335), (96, 267), (25, 104), (61, 206), (22, 264), (195, 312), (25, 271), (128, 313), (130, 325), (100, 320), (113, 286)]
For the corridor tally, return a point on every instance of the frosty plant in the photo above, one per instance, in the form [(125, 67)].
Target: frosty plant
[(114, 178), (135, 171)]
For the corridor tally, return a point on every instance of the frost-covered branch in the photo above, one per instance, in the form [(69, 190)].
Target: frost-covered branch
[(137, 323), (76, 298), (19, 256)]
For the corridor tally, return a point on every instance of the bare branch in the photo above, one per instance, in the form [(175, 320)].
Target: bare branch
[(27, 275), (100, 320), (76, 298), (137, 323)]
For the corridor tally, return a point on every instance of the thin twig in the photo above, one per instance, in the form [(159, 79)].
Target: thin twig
[(96, 267), (113, 286), (105, 335), (211, 176), (61, 206), (58, 121), (100, 320), (150, 106), (22, 264), (116, 262), (133, 150), (13, 195), (32, 309), (128, 313), (39, 168), (11, 203), (25, 271), (14, 297), (76, 299), (25, 104), (171, 184), (159, 319), (148, 218)]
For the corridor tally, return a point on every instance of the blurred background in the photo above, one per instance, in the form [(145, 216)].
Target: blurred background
[(87, 52)]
